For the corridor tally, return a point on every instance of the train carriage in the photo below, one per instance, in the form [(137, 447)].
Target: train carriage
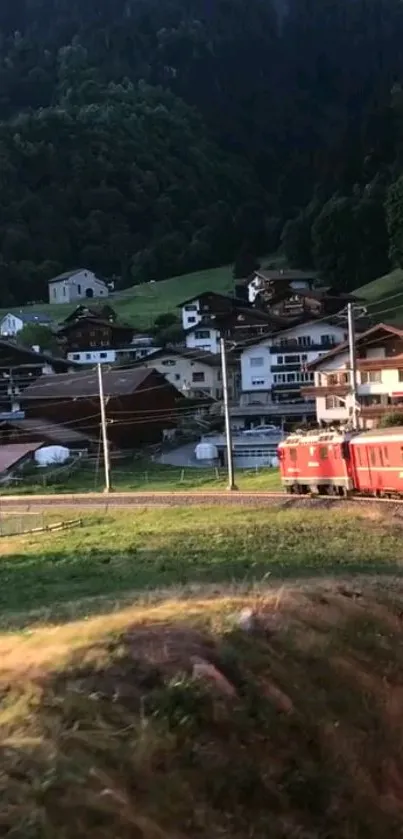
[(317, 462), (377, 461)]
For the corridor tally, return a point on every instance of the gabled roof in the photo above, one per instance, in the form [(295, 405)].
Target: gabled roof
[(217, 295), (84, 384), (385, 328), (202, 356), (68, 274), (30, 317), (12, 453), (285, 274), (96, 311), (37, 358), (49, 431)]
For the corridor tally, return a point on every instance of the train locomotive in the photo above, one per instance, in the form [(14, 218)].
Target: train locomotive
[(343, 462)]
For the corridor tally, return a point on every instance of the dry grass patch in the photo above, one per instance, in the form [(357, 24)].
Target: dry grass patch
[(171, 721)]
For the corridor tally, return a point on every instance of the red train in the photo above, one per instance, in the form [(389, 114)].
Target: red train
[(343, 462)]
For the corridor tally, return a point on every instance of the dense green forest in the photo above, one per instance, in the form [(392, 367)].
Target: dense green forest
[(145, 138)]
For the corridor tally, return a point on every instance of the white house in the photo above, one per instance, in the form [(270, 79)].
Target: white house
[(379, 378), (11, 324), (76, 285), (203, 337), (276, 365), (294, 279), (194, 373)]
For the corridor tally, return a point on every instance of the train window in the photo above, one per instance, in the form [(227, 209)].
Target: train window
[(380, 453), (386, 455), (345, 451), (358, 450), (293, 455), (323, 452), (373, 457)]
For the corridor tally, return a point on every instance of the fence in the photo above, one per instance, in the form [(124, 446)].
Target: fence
[(17, 525), (45, 475)]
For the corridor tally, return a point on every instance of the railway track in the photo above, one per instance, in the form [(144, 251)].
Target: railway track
[(179, 499)]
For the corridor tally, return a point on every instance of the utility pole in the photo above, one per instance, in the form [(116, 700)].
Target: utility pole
[(353, 364), (104, 431), (228, 434)]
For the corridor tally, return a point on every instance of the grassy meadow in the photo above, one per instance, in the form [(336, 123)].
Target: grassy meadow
[(134, 704)]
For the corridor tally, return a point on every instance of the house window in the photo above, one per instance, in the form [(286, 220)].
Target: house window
[(192, 320), (169, 362), (327, 339), (290, 378), (257, 361), (177, 377), (103, 355), (304, 340), (54, 291), (292, 359), (197, 377), (191, 307), (88, 355), (400, 374), (332, 402), (64, 291), (371, 377), (79, 288), (76, 356), (279, 359), (258, 382), (202, 334)]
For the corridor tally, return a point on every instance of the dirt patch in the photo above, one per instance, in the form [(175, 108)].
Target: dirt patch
[(286, 726)]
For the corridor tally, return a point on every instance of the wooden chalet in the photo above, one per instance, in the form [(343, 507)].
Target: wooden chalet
[(20, 367), (140, 404), (93, 328)]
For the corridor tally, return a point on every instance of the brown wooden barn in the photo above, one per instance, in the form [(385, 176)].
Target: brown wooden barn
[(140, 403)]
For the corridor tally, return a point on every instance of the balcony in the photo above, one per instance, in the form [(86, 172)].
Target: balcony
[(312, 392), (294, 346)]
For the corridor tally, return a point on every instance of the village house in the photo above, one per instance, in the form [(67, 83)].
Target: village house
[(379, 352), (140, 404), (19, 367), (206, 304), (79, 284), (92, 335), (273, 371), (12, 323), (218, 315), (272, 281), (195, 373)]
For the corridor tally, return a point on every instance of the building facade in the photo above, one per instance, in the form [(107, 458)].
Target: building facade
[(77, 285), (12, 323), (379, 379), (196, 374)]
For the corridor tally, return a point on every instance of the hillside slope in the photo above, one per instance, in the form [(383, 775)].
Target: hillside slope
[(385, 297)]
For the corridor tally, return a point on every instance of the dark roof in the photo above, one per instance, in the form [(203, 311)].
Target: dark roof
[(49, 430), (84, 384), (204, 357), (39, 357), (96, 321), (11, 454), (31, 317), (234, 300), (340, 348), (96, 311), (286, 274)]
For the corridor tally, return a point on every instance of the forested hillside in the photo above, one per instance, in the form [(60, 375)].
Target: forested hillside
[(144, 138)]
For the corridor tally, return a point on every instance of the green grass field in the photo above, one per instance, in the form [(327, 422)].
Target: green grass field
[(141, 304), (385, 297), (118, 553), (139, 708), (146, 477)]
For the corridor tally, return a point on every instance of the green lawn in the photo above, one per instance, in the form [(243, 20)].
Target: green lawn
[(385, 297), (117, 553), (149, 477), (141, 304)]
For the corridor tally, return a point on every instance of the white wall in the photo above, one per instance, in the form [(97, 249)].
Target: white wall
[(261, 376), (203, 339), (191, 314), (105, 356), (11, 325), (76, 286)]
